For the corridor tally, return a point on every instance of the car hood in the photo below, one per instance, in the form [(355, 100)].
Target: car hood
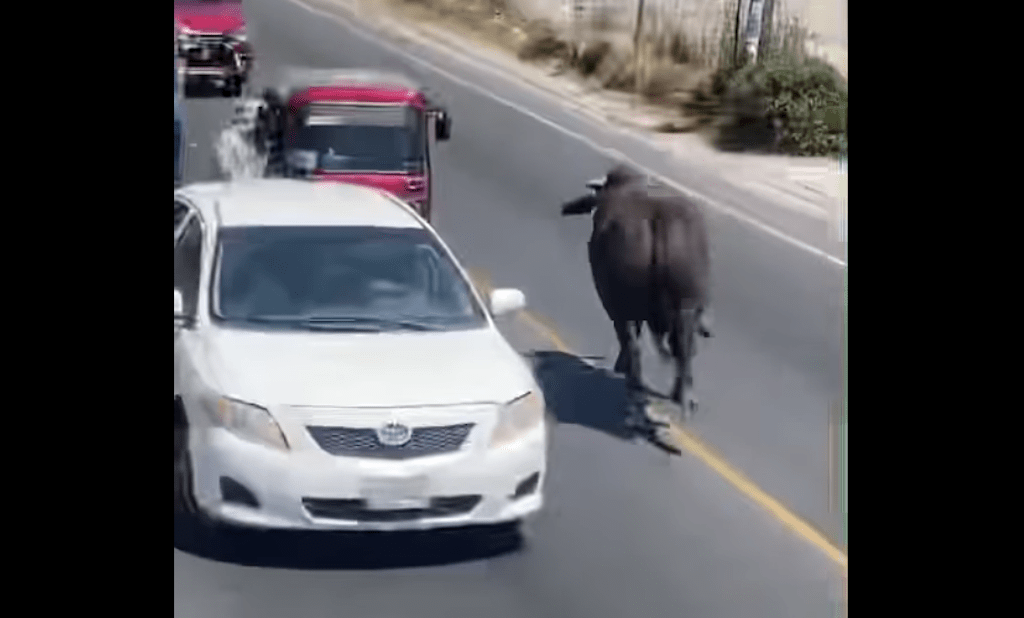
[(403, 369), (220, 18)]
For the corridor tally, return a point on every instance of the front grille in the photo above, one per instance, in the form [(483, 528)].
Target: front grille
[(218, 48), (355, 510), (361, 442), (208, 39), (217, 55)]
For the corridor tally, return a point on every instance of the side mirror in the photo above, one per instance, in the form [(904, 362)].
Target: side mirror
[(180, 319), (506, 300), (442, 126)]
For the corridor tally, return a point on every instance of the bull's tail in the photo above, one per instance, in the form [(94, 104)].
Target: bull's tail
[(661, 309)]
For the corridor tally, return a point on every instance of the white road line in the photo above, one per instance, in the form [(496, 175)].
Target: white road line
[(610, 152)]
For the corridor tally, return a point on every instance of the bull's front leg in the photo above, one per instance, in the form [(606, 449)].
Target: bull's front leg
[(628, 363)]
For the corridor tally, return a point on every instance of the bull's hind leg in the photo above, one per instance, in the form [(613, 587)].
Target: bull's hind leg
[(628, 363), (682, 345), (622, 361)]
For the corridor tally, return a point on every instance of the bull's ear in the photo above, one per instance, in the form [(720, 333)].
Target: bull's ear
[(597, 183)]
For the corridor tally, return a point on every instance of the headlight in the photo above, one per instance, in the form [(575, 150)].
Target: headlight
[(249, 422), (518, 417), (239, 35)]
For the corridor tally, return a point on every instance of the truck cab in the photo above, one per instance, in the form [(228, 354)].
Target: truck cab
[(363, 128)]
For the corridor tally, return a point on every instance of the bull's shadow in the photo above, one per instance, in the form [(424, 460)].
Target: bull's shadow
[(578, 393), (342, 550)]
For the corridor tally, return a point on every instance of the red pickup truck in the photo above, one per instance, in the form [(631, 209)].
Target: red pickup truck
[(357, 126)]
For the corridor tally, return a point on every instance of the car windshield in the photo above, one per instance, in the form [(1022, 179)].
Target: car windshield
[(366, 279), (363, 138)]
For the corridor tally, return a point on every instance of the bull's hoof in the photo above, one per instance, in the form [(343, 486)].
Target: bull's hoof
[(690, 407), (635, 421)]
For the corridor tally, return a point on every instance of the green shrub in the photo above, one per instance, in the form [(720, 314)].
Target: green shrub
[(806, 99)]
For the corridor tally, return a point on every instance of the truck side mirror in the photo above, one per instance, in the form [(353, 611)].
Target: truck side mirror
[(442, 126)]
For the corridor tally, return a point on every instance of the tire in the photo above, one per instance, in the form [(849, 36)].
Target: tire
[(184, 499), (233, 87), (206, 534)]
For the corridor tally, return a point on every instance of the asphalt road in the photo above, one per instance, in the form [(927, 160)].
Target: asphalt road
[(628, 530)]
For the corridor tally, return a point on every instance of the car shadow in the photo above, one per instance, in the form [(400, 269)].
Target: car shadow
[(577, 393), (329, 550)]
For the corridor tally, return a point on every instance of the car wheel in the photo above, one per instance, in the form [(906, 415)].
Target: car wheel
[(184, 500), (233, 87), (206, 533)]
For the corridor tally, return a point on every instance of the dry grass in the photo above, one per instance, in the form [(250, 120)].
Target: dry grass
[(684, 63)]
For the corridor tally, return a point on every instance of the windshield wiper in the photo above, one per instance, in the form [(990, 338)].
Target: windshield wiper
[(366, 323), (335, 324)]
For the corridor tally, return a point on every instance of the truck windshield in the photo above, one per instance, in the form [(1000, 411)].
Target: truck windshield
[(363, 138)]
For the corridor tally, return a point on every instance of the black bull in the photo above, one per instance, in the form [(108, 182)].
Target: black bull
[(650, 263)]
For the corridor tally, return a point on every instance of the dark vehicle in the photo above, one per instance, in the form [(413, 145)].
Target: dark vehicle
[(211, 38), (361, 127)]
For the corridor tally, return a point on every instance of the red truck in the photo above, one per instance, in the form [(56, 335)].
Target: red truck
[(363, 127), (211, 39)]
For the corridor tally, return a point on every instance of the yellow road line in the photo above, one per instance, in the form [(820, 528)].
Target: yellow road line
[(696, 447)]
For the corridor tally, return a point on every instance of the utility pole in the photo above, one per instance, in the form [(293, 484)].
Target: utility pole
[(736, 47), (766, 28), (636, 45), (754, 24)]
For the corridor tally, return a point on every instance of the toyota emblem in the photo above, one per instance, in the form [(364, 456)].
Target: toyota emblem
[(394, 434)]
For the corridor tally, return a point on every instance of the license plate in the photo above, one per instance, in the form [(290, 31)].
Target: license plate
[(395, 493)]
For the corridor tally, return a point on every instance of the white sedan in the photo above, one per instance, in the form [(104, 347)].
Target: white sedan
[(334, 368)]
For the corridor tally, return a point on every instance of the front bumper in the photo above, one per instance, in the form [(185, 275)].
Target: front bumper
[(309, 489)]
